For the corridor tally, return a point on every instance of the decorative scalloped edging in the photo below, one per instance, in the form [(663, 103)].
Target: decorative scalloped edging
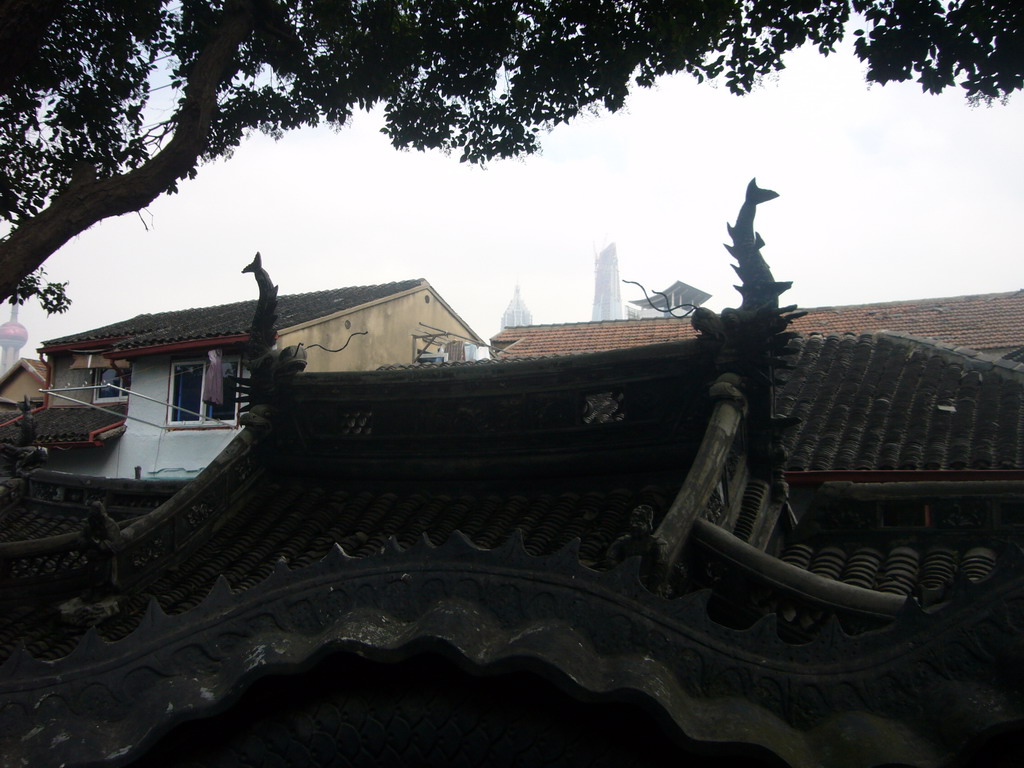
[(845, 701)]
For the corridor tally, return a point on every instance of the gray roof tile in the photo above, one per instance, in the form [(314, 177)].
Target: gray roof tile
[(889, 402), (230, 319)]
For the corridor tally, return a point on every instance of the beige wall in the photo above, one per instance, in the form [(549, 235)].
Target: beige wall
[(20, 384), (66, 376), (390, 323)]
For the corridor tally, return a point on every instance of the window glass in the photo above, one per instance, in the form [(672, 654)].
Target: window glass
[(107, 379), (188, 391), (226, 411)]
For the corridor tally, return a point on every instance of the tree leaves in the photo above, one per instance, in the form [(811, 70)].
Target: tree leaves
[(105, 86)]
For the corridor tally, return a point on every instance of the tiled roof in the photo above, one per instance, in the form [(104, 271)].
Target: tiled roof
[(231, 319), (886, 401), (1016, 356), (986, 321), (567, 338), (298, 520), (38, 366), (18, 523), (35, 368), (64, 425)]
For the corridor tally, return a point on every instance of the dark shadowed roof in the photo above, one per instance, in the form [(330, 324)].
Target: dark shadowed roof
[(65, 425), (313, 514), (986, 321), (887, 401), (231, 319)]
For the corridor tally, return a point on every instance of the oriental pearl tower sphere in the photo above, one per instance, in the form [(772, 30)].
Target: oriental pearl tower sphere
[(13, 336)]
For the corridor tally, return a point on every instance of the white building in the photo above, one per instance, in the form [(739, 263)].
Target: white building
[(137, 398)]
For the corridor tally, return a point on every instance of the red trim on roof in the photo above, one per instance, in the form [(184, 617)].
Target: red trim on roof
[(73, 444), (84, 344), (900, 475), (191, 345), (20, 414)]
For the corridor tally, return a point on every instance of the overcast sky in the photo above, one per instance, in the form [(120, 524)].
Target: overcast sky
[(886, 194)]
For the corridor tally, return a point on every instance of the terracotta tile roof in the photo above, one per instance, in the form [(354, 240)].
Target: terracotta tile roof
[(64, 425), (35, 368), (885, 401), (568, 338), (231, 319), (40, 368), (986, 321)]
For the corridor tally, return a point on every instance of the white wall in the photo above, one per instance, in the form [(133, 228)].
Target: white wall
[(161, 453)]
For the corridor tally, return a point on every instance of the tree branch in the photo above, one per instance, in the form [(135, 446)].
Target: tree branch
[(87, 200)]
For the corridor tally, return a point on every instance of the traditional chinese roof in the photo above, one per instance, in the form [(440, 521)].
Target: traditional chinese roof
[(60, 426), (983, 322), (889, 402), (315, 515), (610, 522), (230, 319)]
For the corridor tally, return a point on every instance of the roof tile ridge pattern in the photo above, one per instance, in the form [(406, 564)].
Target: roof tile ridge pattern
[(272, 627), (887, 402), (920, 302), (591, 323), (154, 321), (973, 359)]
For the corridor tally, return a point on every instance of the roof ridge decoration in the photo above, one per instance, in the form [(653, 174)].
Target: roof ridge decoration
[(749, 344), (267, 367)]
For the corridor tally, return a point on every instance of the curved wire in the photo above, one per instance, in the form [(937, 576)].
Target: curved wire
[(325, 349), (668, 310)]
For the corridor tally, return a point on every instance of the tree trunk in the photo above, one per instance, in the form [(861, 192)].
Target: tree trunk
[(88, 200)]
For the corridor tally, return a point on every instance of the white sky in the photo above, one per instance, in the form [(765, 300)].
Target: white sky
[(886, 194)]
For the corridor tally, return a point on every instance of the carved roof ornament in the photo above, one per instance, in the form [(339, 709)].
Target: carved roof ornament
[(754, 336), (759, 287), (266, 366)]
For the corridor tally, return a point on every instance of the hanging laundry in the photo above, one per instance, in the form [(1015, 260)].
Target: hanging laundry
[(213, 378)]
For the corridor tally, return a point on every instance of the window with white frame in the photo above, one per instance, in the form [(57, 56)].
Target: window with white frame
[(111, 382), (192, 399)]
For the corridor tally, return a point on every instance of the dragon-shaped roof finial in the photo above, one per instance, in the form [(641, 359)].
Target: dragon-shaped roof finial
[(759, 287)]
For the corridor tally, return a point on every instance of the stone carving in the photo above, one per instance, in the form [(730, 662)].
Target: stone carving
[(19, 459)]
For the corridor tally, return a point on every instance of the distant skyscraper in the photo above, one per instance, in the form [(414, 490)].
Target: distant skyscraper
[(607, 302), (516, 314), (12, 338)]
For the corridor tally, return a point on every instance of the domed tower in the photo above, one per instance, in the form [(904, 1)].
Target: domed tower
[(13, 336)]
